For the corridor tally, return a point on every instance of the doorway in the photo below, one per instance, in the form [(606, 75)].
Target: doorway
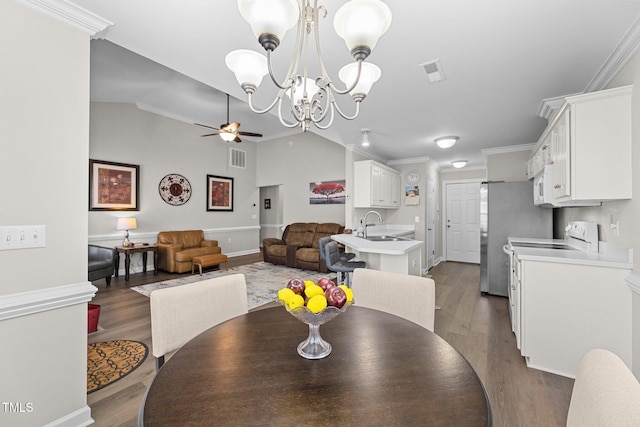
[(431, 223), (270, 212), (462, 225)]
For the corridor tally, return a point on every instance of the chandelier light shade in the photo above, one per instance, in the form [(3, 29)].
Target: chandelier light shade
[(312, 98), (459, 163), (446, 141), (369, 74)]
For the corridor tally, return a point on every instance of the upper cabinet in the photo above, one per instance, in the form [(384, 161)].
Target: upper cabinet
[(589, 142), (376, 185)]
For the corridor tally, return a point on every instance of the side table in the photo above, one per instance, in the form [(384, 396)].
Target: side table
[(127, 258)]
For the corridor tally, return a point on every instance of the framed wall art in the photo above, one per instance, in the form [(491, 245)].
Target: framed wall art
[(113, 186), (219, 193), (328, 192)]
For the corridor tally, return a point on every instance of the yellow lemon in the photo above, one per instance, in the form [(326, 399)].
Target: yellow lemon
[(313, 290), (347, 290), (295, 301), (285, 294), (317, 303), (308, 283)]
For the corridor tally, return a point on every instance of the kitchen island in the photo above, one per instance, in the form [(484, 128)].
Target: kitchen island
[(398, 256)]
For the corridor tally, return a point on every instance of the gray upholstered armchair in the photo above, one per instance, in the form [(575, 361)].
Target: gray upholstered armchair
[(101, 263)]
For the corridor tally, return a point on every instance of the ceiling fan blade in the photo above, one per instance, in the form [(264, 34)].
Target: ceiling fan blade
[(206, 126), (211, 134), (250, 134), (237, 139)]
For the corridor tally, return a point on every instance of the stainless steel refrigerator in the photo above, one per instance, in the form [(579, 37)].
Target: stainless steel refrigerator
[(507, 209)]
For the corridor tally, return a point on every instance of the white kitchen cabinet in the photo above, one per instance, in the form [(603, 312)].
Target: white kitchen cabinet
[(375, 185), (567, 309), (590, 146)]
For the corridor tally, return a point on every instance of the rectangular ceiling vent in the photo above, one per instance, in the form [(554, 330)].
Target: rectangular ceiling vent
[(434, 71), (237, 158)]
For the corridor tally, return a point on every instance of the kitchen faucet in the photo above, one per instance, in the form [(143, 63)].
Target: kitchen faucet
[(365, 221)]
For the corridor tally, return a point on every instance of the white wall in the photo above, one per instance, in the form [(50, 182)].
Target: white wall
[(44, 105), (296, 161), (160, 146)]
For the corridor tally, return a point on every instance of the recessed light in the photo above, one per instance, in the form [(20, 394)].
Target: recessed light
[(446, 141)]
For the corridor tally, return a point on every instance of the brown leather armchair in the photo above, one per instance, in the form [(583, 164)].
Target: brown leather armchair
[(176, 249), (299, 247)]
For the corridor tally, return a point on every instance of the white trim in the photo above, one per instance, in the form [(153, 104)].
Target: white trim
[(633, 280), (617, 60), (31, 302), (70, 13), (443, 202), (354, 148), (79, 418), (154, 234)]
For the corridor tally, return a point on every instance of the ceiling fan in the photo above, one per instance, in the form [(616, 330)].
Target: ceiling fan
[(229, 131)]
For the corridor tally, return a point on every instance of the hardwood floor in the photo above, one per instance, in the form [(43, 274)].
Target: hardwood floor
[(477, 326)]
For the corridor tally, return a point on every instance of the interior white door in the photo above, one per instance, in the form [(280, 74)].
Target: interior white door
[(431, 223), (463, 222)]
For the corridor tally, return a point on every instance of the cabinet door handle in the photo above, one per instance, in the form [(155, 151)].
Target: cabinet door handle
[(557, 186)]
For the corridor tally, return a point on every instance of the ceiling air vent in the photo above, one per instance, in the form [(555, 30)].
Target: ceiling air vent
[(237, 158), (434, 71)]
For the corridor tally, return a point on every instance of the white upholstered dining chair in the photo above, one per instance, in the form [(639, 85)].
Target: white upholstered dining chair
[(411, 297), (180, 313), (605, 393)]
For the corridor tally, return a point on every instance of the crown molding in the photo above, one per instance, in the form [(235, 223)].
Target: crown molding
[(71, 14), (354, 148), (550, 105), (508, 149), (617, 60), (414, 160)]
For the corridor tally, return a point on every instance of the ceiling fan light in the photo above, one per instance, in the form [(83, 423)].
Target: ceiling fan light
[(459, 163), (269, 17), (368, 76), (228, 137), (446, 141), (362, 22), (248, 66)]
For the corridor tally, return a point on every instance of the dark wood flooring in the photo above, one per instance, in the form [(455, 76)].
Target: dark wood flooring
[(477, 326)]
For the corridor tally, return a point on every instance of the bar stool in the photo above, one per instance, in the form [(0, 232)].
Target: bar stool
[(343, 255), (335, 264)]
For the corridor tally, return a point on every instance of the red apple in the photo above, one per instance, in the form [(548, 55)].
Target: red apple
[(297, 286), (325, 283), (336, 297)]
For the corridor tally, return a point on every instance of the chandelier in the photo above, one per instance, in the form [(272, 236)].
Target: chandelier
[(360, 23)]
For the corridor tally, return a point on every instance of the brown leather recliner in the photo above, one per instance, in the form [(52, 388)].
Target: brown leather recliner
[(299, 246), (176, 249)]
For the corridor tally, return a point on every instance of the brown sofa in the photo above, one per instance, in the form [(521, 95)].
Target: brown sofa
[(299, 245), (176, 249)]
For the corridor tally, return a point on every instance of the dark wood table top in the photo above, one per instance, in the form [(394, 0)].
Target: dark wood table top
[(383, 370)]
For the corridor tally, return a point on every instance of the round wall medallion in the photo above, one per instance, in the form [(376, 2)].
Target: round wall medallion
[(175, 189), (412, 177)]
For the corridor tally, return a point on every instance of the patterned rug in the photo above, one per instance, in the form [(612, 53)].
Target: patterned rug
[(109, 361), (263, 280)]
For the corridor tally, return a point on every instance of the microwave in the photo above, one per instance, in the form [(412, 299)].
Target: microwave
[(543, 191)]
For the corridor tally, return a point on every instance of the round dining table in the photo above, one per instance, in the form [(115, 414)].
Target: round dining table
[(383, 370)]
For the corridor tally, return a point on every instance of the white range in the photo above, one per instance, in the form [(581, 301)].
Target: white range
[(567, 296)]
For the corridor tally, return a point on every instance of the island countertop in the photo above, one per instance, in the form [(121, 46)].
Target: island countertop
[(360, 244)]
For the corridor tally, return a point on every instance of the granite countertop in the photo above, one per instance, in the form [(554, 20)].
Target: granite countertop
[(608, 255)]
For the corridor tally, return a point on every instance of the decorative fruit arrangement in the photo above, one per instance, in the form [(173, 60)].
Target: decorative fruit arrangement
[(315, 296)]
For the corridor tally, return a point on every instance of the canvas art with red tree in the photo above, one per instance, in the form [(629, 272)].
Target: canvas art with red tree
[(328, 192)]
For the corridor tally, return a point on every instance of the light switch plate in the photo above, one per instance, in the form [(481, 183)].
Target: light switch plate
[(22, 237)]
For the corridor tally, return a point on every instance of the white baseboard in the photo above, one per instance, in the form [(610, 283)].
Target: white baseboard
[(79, 418)]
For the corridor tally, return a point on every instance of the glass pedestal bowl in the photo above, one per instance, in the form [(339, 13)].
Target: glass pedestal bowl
[(314, 347)]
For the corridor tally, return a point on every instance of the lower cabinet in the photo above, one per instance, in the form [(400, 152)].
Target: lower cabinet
[(567, 309)]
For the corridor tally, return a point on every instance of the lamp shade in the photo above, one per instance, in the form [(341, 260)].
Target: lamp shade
[(248, 66), (362, 22), (126, 224), (298, 90), (369, 74), (274, 17), (446, 141)]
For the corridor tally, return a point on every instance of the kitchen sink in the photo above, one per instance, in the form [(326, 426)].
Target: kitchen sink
[(386, 238)]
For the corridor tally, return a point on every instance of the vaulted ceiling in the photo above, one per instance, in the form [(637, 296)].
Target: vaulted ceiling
[(501, 59)]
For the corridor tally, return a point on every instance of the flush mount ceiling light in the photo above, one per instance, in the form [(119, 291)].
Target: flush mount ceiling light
[(446, 141), (365, 137), (459, 163), (360, 23)]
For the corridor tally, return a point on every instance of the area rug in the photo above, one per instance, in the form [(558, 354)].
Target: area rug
[(109, 361), (263, 280)]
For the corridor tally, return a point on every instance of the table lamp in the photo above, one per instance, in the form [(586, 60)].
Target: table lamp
[(126, 224)]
